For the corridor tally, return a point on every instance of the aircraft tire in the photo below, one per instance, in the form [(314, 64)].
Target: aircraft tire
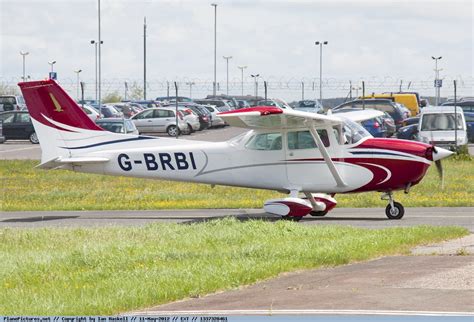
[(396, 213)]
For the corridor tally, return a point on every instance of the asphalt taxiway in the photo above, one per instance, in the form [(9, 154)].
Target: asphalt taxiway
[(356, 217)]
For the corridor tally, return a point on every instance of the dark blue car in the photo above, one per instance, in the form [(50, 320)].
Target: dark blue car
[(375, 126), (469, 116)]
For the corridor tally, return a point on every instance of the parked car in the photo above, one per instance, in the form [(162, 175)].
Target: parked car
[(17, 125), (2, 138), (408, 132), (274, 102), (173, 99), (469, 116), (229, 100), (243, 104), (125, 108), (223, 106), (409, 99), (205, 117), (410, 129), (466, 103), (159, 120), (438, 126), (90, 111), (411, 120), (375, 126), (146, 103), (216, 121), (383, 105), (190, 117), (12, 103), (109, 111), (312, 106), (117, 125)]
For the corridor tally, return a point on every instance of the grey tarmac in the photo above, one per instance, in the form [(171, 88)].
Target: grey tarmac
[(357, 217)]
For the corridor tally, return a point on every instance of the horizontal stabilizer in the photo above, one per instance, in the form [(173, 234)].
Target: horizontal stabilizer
[(57, 162)]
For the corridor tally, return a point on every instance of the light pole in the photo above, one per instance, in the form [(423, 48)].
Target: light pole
[(255, 77), (190, 88), (227, 63), (215, 49), (78, 72), (320, 44), (144, 58), (93, 42), (437, 83), (242, 73), (24, 53), (51, 63), (99, 60)]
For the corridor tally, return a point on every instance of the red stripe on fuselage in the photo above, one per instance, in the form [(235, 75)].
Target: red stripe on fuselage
[(402, 172)]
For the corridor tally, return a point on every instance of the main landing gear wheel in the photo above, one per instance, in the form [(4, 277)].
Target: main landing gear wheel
[(318, 213), (292, 218), (396, 212)]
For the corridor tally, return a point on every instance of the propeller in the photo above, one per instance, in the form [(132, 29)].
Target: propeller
[(439, 167), (438, 155)]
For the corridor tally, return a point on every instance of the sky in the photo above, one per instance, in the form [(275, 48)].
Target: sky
[(379, 41)]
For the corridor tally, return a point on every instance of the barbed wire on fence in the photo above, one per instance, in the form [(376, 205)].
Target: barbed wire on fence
[(289, 88)]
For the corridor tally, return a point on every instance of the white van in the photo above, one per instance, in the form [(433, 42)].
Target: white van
[(437, 126)]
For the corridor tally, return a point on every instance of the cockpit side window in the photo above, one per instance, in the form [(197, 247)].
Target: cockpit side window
[(304, 140), (265, 142)]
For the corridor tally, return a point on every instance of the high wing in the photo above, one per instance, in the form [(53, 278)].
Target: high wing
[(359, 116), (274, 118), (264, 117)]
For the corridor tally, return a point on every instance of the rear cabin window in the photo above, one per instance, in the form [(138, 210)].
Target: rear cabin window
[(266, 142), (304, 140)]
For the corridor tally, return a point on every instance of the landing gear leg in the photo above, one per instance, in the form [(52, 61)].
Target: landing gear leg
[(394, 210)]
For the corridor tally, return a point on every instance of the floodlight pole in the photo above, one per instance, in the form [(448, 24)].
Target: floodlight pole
[(242, 80), (227, 63), (23, 54)]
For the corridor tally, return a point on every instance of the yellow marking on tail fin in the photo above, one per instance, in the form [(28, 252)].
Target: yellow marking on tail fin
[(58, 107)]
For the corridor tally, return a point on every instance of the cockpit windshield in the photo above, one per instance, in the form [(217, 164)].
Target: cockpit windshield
[(352, 132)]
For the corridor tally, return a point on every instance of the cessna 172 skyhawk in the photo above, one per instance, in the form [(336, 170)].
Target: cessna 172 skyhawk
[(289, 151)]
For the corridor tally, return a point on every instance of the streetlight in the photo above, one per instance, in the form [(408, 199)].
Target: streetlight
[(77, 72), (242, 71), (255, 77), (320, 44), (227, 62), (93, 42), (24, 53), (52, 65), (215, 48), (190, 89), (437, 83)]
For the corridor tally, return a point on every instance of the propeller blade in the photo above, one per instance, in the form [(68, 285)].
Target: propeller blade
[(439, 167)]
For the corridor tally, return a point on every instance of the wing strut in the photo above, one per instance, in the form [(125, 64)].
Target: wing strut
[(326, 156)]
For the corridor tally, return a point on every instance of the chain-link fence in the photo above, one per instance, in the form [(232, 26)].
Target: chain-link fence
[(289, 89)]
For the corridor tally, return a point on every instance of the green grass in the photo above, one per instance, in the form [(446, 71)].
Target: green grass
[(27, 188), (101, 271)]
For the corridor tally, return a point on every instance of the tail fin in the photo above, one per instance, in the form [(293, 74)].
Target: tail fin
[(59, 122)]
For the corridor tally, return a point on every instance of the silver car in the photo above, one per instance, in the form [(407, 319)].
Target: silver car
[(159, 120)]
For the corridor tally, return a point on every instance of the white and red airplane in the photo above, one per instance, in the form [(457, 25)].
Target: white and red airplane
[(289, 151)]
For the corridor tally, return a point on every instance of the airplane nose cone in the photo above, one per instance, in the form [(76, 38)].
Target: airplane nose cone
[(440, 153)]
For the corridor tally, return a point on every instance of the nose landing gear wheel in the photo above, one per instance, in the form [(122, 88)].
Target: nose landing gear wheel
[(396, 212)]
